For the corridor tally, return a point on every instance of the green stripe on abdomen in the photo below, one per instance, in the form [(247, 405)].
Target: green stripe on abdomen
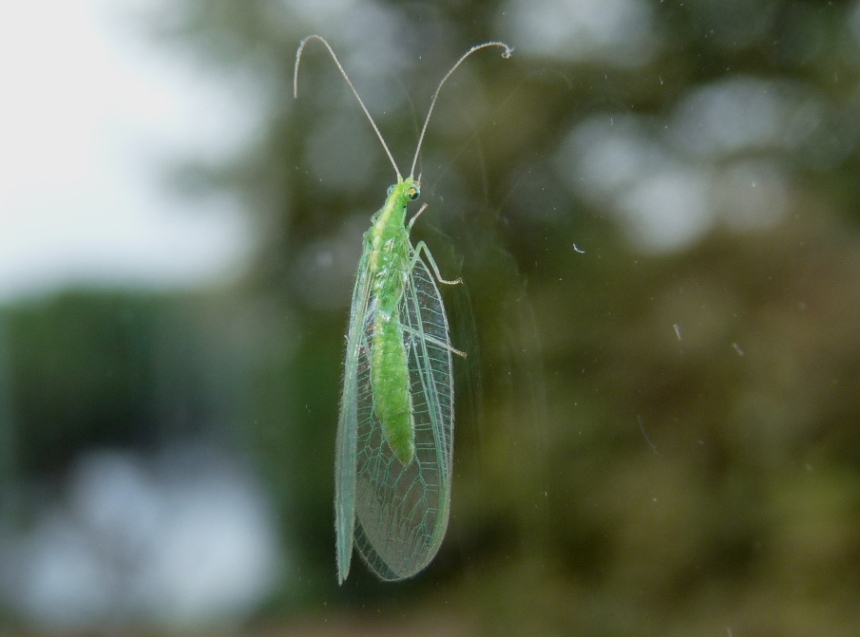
[(392, 399)]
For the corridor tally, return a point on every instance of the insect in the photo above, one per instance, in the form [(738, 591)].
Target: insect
[(395, 436)]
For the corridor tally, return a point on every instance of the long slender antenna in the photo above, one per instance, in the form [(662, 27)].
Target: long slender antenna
[(505, 54), (354, 92)]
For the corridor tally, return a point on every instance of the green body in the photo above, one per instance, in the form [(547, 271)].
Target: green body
[(395, 434), (387, 250), (396, 429)]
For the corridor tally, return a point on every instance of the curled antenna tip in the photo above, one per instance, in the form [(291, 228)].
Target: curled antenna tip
[(506, 53)]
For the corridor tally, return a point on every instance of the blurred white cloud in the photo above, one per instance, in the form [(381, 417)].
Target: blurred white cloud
[(665, 197), (604, 155), (742, 114), (612, 31), (184, 538), (668, 209), (89, 115)]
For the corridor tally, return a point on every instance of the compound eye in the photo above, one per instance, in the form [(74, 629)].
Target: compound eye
[(413, 193), (390, 190)]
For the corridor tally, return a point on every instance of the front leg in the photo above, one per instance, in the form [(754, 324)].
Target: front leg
[(421, 246)]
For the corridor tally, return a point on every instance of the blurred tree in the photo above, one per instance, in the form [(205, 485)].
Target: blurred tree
[(654, 208)]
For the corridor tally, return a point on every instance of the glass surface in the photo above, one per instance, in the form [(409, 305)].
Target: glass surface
[(655, 211)]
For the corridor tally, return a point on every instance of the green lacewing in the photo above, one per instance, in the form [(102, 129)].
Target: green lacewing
[(395, 437)]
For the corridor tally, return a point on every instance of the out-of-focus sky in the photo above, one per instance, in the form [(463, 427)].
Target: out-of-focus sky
[(91, 112), (93, 116)]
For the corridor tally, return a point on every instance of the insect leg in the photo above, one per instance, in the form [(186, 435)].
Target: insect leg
[(435, 342), (415, 218), (423, 246)]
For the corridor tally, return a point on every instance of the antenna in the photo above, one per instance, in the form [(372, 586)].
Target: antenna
[(505, 54), (352, 88)]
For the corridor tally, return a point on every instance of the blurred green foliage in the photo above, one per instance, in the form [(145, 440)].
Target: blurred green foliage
[(114, 369), (648, 442)]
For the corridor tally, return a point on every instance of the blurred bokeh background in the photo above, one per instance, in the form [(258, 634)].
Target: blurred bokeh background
[(655, 207)]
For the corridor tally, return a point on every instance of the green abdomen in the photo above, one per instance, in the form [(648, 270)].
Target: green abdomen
[(392, 399)]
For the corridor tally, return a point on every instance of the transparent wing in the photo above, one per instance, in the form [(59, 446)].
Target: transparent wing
[(355, 374), (402, 512)]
